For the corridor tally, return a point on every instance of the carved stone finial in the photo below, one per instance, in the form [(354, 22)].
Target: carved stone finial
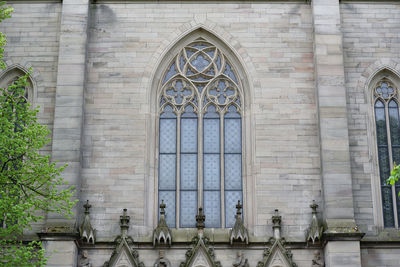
[(240, 260), (315, 230), (276, 253), (162, 234), (276, 220), (200, 219), (84, 261), (317, 261), (162, 261), (239, 231), (124, 219), (86, 231)]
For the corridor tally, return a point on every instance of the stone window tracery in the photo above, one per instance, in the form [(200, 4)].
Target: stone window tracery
[(200, 137), (387, 121)]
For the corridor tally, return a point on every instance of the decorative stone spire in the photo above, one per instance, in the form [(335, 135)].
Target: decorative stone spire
[(239, 231), (124, 219), (86, 231), (200, 219), (162, 234), (315, 230), (276, 228)]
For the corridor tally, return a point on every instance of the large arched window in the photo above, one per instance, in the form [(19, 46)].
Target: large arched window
[(200, 137), (386, 107)]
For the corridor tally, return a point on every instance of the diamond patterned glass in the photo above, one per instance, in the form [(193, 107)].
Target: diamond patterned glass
[(233, 171), (387, 202), (188, 171), (212, 208), (169, 200), (167, 135), (211, 136), (188, 209), (211, 172), (231, 199), (232, 134), (188, 135), (167, 172)]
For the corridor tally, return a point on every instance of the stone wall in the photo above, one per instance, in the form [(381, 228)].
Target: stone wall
[(371, 33), (275, 43), (32, 42)]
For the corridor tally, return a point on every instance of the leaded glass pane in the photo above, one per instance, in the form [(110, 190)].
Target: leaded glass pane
[(188, 208), (171, 72), (384, 165), (200, 62), (229, 72), (211, 136), (232, 136), (387, 202), (188, 171), (167, 135), (169, 200), (167, 172), (212, 208), (231, 199), (397, 187), (233, 171), (211, 171), (188, 135)]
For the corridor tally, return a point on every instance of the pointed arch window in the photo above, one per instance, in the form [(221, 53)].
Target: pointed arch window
[(386, 107), (200, 137)]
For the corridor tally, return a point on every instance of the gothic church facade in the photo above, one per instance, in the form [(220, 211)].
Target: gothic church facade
[(217, 133)]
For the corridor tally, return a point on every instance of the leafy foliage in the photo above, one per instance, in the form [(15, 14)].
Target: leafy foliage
[(394, 175), (30, 184)]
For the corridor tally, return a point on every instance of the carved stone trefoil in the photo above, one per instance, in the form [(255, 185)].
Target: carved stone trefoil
[(123, 254), (86, 231), (201, 254), (316, 229), (162, 234), (276, 253), (239, 231)]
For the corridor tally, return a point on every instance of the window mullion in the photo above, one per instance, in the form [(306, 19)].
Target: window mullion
[(178, 168), (389, 142), (200, 160), (222, 168)]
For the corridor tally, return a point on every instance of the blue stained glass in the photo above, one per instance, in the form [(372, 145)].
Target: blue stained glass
[(211, 112), (167, 135), (189, 53), (200, 87), (218, 62), (211, 53), (231, 199), (200, 78), (229, 72), (232, 136), (212, 208), (188, 208), (168, 112), (211, 135), (232, 112), (188, 135), (167, 172), (171, 72), (200, 62), (211, 171), (188, 171), (170, 211), (233, 171)]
